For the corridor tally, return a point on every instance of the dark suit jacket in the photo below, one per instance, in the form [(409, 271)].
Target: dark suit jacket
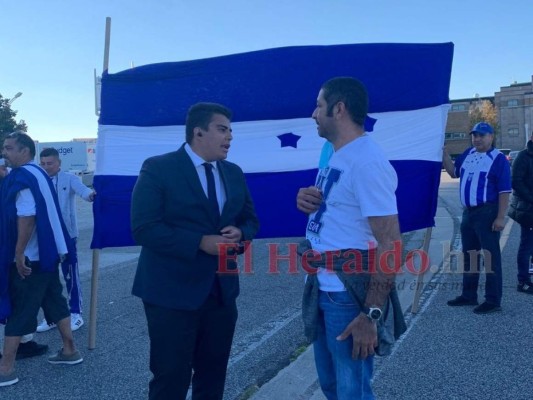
[(169, 215)]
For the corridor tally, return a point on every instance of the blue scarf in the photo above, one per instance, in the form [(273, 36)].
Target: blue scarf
[(52, 236)]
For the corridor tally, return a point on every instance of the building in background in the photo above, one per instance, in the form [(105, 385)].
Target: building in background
[(515, 110), (514, 104)]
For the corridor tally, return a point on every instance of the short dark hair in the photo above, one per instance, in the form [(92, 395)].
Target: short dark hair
[(200, 115), (351, 92), (49, 152), (23, 140)]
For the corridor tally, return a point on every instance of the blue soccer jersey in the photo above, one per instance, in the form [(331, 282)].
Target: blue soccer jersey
[(483, 176)]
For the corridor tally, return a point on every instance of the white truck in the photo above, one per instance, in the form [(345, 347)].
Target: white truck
[(76, 156)]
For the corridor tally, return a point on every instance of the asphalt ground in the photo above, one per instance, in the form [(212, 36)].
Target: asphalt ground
[(269, 315), (452, 353), (447, 353)]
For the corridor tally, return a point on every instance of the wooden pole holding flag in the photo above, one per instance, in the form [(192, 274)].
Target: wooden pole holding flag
[(96, 252), (94, 293), (107, 41), (420, 277)]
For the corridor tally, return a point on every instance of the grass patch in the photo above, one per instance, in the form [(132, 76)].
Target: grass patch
[(249, 392), (298, 352)]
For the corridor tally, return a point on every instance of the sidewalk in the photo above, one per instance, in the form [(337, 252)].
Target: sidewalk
[(299, 379)]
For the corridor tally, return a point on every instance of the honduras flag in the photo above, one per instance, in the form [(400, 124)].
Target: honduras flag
[(272, 94)]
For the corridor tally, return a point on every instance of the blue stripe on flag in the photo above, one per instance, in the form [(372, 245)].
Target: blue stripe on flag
[(274, 196), (277, 83), (417, 193), (111, 209)]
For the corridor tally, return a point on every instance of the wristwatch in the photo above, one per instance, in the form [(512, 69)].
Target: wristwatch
[(373, 313)]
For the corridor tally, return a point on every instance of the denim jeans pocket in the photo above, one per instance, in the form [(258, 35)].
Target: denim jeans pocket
[(341, 298)]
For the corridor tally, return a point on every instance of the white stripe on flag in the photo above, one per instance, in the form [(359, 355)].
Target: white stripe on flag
[(403, 135)]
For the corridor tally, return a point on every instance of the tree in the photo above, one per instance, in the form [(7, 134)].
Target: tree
[(484, 111), (8, 123)]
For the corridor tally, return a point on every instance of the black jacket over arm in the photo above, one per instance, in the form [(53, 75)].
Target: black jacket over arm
[(522, 177)]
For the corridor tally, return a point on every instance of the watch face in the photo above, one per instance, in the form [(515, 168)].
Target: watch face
[(375, 313)]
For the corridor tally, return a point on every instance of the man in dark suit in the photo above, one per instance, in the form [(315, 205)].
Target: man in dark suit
[(190, 308)]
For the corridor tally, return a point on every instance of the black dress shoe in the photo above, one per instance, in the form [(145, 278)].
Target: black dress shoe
[(525, 287), (487, 308), (31, 349), (462, 301)]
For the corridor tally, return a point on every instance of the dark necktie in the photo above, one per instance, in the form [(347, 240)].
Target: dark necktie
[(213, 202), (211, 191)]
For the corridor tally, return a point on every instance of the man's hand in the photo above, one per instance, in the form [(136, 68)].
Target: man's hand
[(447, 163), (498, 224), (3, 171), (209, 243), (364, 335), (22, 268), (232, 233), (309, 199), (92, 195), (25, 227), (503, 204)]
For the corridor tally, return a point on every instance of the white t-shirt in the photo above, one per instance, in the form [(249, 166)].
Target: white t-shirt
[(358, 183), (25, 204)]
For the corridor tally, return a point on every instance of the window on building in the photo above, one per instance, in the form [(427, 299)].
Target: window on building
[(458, 107), (512, 103), (455, 135), (512, 131)]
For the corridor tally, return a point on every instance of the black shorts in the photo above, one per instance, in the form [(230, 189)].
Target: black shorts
[(40, 289)]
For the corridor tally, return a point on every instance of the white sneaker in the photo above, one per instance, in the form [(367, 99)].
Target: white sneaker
[(45, 326), (76, 322), (26, 338)]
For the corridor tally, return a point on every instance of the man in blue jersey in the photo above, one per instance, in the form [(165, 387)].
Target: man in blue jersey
[(485, 185)]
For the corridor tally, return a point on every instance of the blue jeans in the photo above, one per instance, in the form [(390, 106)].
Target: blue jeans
[(340, 376), (477, 234), (525, 251)]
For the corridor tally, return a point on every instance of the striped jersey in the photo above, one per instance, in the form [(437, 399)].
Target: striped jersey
[(483, 176)]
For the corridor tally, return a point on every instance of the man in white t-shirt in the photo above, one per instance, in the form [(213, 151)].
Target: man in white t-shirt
[(352, 208)]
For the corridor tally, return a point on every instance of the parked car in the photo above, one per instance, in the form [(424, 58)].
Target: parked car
[(512, 155), (506, 153)]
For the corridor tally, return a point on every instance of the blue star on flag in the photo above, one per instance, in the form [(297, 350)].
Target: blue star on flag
[(289, 140)]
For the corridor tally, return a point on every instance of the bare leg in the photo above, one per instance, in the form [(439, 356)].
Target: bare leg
[(66, 336), (7, 362)]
